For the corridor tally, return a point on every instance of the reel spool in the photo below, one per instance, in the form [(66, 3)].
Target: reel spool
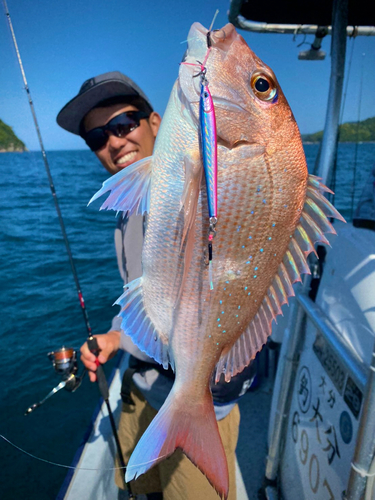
[(64, 361)]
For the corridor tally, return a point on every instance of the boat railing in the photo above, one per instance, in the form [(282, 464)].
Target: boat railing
[(304, 309)]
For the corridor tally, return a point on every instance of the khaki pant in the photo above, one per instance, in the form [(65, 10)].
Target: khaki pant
[(176, 476)]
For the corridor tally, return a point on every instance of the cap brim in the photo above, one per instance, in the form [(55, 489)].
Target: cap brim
[(72, 113)]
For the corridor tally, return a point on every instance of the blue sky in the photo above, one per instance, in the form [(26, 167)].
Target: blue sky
[(62, 43)]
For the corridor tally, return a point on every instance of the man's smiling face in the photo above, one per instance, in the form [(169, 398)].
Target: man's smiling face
[(120, 152)]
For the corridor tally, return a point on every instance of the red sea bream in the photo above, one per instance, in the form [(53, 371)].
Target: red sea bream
[(270, 213)]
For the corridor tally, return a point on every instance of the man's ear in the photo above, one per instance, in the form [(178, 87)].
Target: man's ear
[(154, 121)]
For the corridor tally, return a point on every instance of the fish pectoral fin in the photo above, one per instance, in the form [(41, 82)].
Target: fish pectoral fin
[(129, 189), (137, 324), (192, 427)]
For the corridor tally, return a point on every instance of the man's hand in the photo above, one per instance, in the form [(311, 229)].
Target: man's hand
[(109, 344)]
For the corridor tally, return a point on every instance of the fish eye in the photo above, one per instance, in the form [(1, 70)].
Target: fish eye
[(264, 87)]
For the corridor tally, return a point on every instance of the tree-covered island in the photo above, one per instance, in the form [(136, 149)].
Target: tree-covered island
[(9, 142), (363, 131)]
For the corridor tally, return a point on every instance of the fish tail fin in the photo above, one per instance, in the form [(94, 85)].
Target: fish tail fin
[(194, 429)]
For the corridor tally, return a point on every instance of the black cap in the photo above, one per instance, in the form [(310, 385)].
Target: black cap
[(94, 91)]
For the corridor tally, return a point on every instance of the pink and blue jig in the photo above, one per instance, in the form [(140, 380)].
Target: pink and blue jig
[(208, 142)]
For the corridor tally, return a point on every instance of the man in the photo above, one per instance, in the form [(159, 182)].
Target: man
[(117, 121)]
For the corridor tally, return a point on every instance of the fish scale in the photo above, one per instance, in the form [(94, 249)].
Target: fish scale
[(270, 214)]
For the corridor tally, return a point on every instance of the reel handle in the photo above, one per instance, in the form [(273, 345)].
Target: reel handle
[(101, 378)]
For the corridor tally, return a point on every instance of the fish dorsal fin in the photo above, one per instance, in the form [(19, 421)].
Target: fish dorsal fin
[(137, 324), (129, 189), (310, 229)]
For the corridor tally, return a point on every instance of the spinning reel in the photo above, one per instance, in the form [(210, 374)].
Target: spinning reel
[(65, 363)]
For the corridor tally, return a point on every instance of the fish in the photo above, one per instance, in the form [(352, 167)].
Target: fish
[(270, 213)]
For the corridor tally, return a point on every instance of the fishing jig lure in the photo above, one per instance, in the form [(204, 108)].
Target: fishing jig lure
[(208, 139), (208, 142)]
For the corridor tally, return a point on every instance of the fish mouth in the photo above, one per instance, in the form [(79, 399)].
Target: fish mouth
[(252, 149), (221, 102), (234, 145)]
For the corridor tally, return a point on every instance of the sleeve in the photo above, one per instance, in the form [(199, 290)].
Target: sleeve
[(132, 246), (119, 247)]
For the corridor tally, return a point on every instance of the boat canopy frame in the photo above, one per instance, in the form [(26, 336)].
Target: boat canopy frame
[(240, 9)]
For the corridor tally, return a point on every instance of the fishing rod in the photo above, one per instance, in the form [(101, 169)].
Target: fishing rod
[(65, 359)]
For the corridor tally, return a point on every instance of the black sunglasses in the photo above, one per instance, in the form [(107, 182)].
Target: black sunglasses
[(120, 126)]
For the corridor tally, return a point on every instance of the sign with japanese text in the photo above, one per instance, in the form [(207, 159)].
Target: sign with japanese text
[(322, 425)]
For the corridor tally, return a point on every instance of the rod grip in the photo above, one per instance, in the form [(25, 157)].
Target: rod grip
[(100, 375)]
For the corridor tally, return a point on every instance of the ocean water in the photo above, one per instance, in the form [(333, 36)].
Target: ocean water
[(40, 310)]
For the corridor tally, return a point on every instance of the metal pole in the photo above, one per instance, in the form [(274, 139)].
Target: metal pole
[(295, 29), (235, 17), (338, 48), (365, 445), (286, 374)]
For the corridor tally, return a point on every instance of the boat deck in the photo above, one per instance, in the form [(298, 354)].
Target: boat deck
[(252, 443)]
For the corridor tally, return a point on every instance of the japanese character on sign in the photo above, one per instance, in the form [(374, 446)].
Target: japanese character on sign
[(332, 447), (323, 383), (332, 399), (315, 418), (303, 390)]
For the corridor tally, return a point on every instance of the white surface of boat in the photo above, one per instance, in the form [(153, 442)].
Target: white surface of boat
[(97, 454)]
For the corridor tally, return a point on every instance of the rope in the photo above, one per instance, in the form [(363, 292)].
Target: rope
[(362, 472)]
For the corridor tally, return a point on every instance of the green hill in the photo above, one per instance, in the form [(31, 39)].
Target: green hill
[(9, 142), (348, 132)]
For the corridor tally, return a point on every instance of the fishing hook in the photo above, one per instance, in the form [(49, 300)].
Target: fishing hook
[(202, 72)]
